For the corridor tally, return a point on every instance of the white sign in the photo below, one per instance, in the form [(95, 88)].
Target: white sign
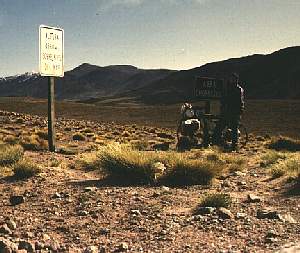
[(51, 54)]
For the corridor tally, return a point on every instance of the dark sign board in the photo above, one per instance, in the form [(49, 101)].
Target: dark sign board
[(209, 88)]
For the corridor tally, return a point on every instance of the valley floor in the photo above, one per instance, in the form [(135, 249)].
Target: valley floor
[(69, 209)]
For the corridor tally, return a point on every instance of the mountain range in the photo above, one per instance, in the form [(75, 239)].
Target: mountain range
[(271, 76)]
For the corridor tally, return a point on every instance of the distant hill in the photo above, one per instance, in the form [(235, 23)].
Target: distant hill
[(272, 76), (83, 82)]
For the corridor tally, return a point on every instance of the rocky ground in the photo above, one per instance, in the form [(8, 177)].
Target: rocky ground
[(68, 209)]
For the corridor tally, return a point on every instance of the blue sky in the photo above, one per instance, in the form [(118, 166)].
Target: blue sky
[(175, 34)]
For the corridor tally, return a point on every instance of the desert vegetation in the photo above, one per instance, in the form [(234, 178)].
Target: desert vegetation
[(10, 154), (123, 186), (25, 168), (216, 200), (284, 143), (148, 167)]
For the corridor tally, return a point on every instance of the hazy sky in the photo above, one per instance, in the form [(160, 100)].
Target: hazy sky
[(176, 34)]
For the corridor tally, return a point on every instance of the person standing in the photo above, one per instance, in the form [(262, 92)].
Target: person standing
[(232, 107)]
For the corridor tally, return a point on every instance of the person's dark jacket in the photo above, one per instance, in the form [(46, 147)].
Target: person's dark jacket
[(233, 103)]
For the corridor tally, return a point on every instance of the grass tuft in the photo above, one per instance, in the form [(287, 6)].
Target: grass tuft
[(10, 139), (34, 143), (131, 166), (216, 200), (147, 167), (277, 172), (140, 145), (271, 158), (42, 134), (10, 154), (290, 166), (284, 143), (25, 169), (185, 171)]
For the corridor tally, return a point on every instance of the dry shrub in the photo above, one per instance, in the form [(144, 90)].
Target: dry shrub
[(34, 143), (54, 162), (184, 171), (90, 135), (130, 166), (290, 167), (236, 163), (277, 172), (88, 162), (42, 134), (284, 143), (165, 135), (87, 131), (67, 151), (271, 157), (137, 167), (10, 139), (100, 142), (140, 145), (25, 169), (19, 121), (78, 137), (10, 154), (216, 200)]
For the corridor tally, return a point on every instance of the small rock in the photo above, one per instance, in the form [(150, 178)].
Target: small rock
[(123, 247), (287, 218), (91, 249), (158, 169), (241, 215), (242, 183), (267, 214), (46, 237), (16, 200), (206, 210), (251, 198), (4, 229), (53, 246), (39, 245), (57, 195), (11, 224), (7, 246), (226, 184), (135, 212), (83, 213), (271, 233), (104, 231), (239, 173), (28, 246), (271, 240), (198, 217), (165, 135), (89, 189), (156, 194), (29, 234), (222, 177), (102, 249), (165, 189), (225, 213)]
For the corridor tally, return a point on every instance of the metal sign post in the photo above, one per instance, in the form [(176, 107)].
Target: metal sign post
[(51, 114), (51, 61)]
